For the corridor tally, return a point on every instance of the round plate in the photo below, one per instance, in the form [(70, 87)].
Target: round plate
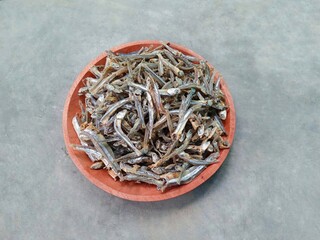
[(131, 190)]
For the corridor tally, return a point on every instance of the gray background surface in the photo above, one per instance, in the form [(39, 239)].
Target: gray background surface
[(268, 52)]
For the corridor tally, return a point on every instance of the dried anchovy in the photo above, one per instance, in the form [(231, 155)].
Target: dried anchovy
[(153, 116)]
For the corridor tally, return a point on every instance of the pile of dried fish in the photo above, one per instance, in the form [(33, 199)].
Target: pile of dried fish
[(152, 116)]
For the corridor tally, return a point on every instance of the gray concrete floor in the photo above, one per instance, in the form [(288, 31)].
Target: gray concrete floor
[(268, 52)]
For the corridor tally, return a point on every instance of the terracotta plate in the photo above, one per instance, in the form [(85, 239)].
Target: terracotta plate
[(130, 190)]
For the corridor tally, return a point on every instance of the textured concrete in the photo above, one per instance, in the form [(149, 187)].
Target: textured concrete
[(268, 51)]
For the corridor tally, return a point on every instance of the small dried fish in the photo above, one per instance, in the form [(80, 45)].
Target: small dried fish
[(112, 109), (223, 114), (212, 158), (187, 176), (97, 165), (136, 169), (138, 179), (117, 127), (153, 116), (90, 151), (107, 156)]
